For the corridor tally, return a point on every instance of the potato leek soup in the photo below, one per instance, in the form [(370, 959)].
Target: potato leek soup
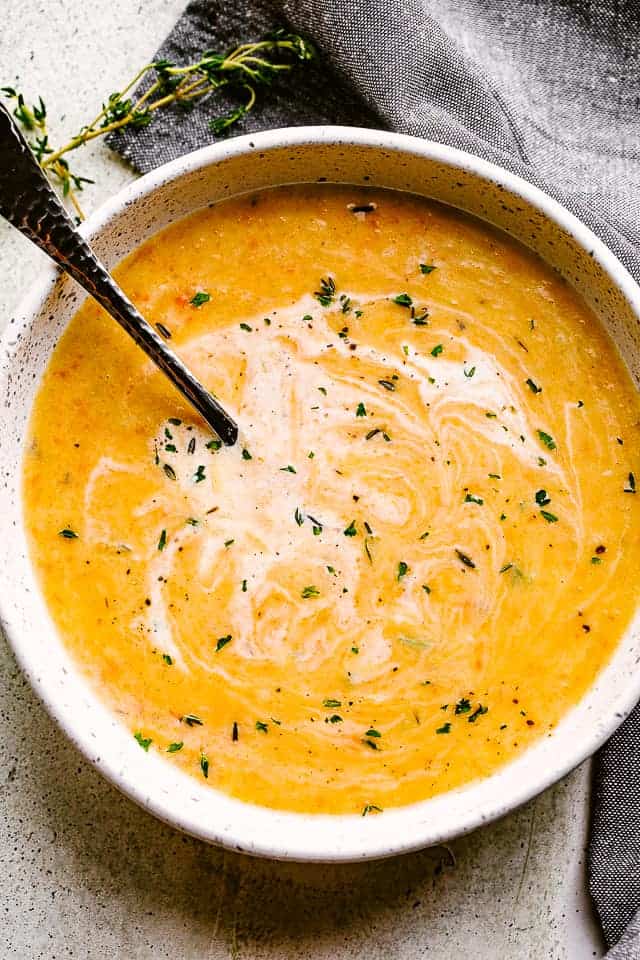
[(424, 546)]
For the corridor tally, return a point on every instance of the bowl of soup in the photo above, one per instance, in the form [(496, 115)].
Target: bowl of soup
[(405, 601)]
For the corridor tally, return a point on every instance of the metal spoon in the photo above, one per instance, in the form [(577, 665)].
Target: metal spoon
[(28, 201)]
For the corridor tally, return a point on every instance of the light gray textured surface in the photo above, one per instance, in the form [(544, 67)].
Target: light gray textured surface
[(86, 874)]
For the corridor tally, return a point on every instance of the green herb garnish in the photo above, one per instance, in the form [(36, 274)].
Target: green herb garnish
[(420, 319), (145, 742), (222, 642), (478, 712), (464, 558), (327, 292), (191, 720), (548, 440), (310, 593), (403, 300), (367, 550), (68, 534), (199, 298)]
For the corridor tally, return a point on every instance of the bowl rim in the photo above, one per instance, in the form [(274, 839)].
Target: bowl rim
[(402, 829)]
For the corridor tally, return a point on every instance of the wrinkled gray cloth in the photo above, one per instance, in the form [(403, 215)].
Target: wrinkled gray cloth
[(548, 89)]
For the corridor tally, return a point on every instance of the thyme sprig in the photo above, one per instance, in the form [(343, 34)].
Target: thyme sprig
[(33, 119), (245, 69)]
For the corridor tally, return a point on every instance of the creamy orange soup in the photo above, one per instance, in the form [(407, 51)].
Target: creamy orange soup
[(424, 546)]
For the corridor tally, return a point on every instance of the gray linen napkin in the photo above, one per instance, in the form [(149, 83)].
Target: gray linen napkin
[(546, 88)]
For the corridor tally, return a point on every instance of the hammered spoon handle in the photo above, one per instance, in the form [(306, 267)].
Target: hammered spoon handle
[(29, 202)]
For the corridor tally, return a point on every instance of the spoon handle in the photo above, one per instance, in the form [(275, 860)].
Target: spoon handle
[(29, 202)]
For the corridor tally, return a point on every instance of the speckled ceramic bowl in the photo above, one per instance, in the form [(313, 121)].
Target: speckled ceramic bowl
[(250, 163)]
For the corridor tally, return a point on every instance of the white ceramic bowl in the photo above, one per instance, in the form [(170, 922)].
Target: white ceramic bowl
[(249, 163)]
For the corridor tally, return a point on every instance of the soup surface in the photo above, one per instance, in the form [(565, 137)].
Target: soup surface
[(421, 551)]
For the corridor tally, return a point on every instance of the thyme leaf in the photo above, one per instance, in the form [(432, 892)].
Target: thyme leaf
[(310, 593), (68, 534), (145, 742), (200, 298)]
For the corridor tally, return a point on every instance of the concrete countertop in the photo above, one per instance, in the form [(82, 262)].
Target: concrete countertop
[(84, 873)]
